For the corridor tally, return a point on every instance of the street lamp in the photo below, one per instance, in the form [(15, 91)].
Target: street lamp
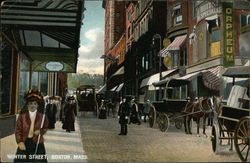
[(158, 36)]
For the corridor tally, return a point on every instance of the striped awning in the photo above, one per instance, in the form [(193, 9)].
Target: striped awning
[(211, 78), (175, 45), (190, 76)]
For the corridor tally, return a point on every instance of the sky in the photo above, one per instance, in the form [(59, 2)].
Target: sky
[(92, 39)]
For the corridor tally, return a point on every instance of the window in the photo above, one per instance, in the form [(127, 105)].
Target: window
[(178, 20), (117, 15), (5, 79), (129, 16), (23, 79), (244, 20), (215, 36), (177, 15), (128, 32), (35, 80), (174, 56), (183, 58), (117, 28)]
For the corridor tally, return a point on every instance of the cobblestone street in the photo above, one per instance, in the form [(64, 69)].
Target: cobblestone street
[(102, 143)]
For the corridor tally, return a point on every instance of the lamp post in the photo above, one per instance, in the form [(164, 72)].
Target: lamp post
[(158, 36)]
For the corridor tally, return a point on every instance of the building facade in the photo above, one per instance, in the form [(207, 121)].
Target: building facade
[(196, 41), (34, 50)]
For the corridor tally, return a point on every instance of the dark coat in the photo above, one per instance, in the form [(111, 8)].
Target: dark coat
[(124, 110), (70, 111), (134, 116), (51, 110)]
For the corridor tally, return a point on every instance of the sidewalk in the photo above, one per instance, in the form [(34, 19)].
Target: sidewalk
[(60, 146)]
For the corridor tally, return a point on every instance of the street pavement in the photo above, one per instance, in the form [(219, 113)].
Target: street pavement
[(102, 143), (97, 141)]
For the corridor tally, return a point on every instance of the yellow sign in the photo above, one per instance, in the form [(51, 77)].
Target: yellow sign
[(201, 36), (215, 49), (167, 61), (166, 42)]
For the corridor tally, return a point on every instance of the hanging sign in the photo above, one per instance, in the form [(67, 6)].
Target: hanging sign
[(54, 66), (228, 57)]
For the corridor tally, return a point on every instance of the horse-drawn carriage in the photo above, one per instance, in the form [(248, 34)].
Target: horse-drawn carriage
[(233, 122), (168, 109), (86, 98)]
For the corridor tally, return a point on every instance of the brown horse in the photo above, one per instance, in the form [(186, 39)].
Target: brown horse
[(197, 110)]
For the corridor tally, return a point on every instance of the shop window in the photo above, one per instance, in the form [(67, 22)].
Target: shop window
[(23, 79), (35, 80), (183, 58), (5, 79), (174, 56)]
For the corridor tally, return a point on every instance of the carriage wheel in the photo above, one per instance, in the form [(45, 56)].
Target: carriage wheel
[(242, 139), (163, 122), (178, 123), (215, 139), (152, 116)]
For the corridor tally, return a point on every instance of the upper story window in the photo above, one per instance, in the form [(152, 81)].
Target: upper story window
[(215, 36), (117, 28), (244, 20), (128, 32), (177, 15), (117, 15), (129, 16)]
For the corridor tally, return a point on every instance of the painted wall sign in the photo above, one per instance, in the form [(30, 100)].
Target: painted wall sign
[(228, 57), (54, 66)]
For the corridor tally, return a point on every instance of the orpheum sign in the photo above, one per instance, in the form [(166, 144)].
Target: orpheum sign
[(228, 57)]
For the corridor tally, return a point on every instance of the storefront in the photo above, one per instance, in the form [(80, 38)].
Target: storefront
[(33, 46)]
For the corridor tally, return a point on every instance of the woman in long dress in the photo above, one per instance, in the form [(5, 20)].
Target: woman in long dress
[(31, 123)]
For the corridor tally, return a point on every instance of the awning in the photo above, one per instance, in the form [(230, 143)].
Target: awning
[(175, 45), (190, 76), (102, 89), (120, 71), (211, 78), (238, 72), (155, 78), (171, 82), (45, 31), (119, 87)]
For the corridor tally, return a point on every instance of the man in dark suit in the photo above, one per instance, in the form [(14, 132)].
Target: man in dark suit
[(123, 115)]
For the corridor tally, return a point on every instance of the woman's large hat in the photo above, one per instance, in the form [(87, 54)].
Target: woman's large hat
[(33, 94)]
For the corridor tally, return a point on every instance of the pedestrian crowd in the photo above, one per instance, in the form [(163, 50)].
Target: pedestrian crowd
[(41, 113), (127, 109)]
